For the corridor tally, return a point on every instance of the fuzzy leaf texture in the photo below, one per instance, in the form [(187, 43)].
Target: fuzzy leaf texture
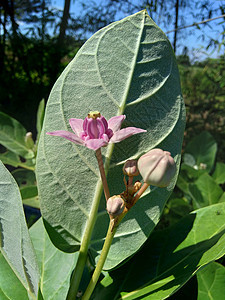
[(53, 284), (126, 68), (19, 275)]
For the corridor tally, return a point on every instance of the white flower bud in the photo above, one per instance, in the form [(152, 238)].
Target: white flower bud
[(115, 205), (157, 167)]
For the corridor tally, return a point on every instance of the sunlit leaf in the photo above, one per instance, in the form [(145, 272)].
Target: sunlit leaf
[(12, 136), (205, 191), (211, 282), (169, 258), (40, 118), (126, 68), (10, 158), (203, 147)]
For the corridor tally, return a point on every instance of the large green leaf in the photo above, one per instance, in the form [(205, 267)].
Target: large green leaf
[(10, 158), (40, 118), (169, 258), (126, 68), (16, 246), (219, 173), (55, 266), (10, 286), (26, 180), (205, 191), (211, 282), (12, 136), (203, 147)]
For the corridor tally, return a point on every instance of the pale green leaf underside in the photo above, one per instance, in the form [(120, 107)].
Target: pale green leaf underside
[(126, 68), (55, 266), (15, 242)]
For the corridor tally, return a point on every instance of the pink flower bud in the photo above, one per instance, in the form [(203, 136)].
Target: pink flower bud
[(157, 167), (130, 168), (115, 205)]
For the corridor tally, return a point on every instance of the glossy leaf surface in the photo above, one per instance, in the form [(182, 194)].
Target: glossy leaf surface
[(205, 191), (211, 282), (12, 136), (126, 68), (169, 258), (16, 246), (203, 148)]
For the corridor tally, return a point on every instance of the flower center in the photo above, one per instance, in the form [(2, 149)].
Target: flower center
[(94, 115)]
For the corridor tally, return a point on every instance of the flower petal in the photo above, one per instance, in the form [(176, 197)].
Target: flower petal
[(76, 125), (125, 133), (115, 122), (95, 144), (67, 135)]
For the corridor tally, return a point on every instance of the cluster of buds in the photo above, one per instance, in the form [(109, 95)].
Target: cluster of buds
[(157, 168)]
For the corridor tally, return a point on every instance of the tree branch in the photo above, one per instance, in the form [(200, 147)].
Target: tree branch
[(195, 24)]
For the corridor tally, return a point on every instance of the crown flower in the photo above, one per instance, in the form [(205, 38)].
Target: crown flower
[(95, 131)]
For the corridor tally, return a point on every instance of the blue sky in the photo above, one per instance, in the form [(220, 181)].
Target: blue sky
[(195, 45)]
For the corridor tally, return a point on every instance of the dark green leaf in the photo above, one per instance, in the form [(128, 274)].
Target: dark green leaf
[(169, 258), (30, 196), (203, 147), (12, 136), (219, 173), (24, 177), (10, 158), (205, 191)]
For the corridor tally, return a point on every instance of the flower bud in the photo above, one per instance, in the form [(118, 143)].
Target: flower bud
[(115, 205), (130, 168), (157, 167), (29, 140)]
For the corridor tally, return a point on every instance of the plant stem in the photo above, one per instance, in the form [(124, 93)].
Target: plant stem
[(78, 271), (108, 241), (102, 172), (77, 274), (140, 192), (101, 261)]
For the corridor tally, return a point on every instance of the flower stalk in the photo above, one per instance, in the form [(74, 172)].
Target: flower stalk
[(102, 172), (101, 261)]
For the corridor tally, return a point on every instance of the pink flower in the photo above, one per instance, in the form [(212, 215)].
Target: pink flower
[(95, 132)]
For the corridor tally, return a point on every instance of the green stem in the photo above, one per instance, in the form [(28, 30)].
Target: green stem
[(77, 274), (26, 167), (82, 258), (101, 261), (108, 241)]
